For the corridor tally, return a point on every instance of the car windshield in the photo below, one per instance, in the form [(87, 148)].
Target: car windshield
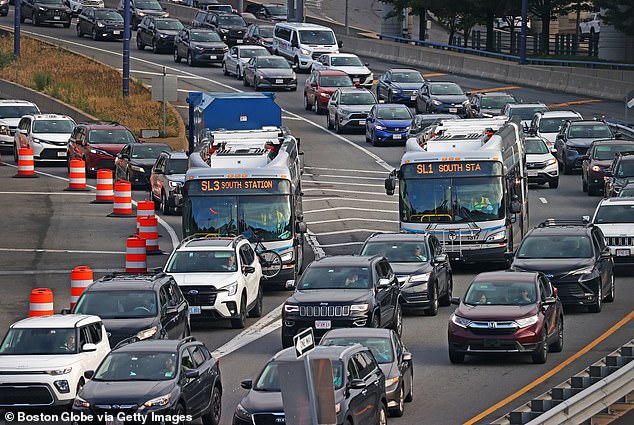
[(381, 348), (501, 293), (111, 137), (555, 246), (143, 151), (269, 379), (202, 262), (53, 126), (496, 102), (249, 53), (321, 37), (273, 63), (592, 131), (446, 89), (137, 366), (177, 166), (345, 61), (204, 36), (233, 20), (608, 152), (536, 146), (118, 304), (526, 112), (266, 32), (407, 77), (277, 10), (169, 25), (398, 252), (394, 114), (551, 125), (615, 214), (17, 111), (625, 169), (148, 5), (336, 277), (361, 98), (23, 341), (335, 81), (108, 15)]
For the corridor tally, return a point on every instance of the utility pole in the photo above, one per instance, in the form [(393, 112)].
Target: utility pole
[(126, 48), (523, 32), (16, 31)]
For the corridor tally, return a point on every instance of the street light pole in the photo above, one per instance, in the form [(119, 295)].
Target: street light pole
[(16, 30), (523, 32), (346, 20), (126, 48)]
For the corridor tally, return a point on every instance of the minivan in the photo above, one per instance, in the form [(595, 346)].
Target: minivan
[(303, 43)]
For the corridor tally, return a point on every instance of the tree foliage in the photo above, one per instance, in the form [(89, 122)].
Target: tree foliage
[(619, 13)]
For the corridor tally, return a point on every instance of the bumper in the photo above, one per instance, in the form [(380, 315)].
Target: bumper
[(526, 340), (543, 175), (576, 293), (622, 254), (292, 325), (415, 299), (6, 141), (207, 58), (139, 178), (231, 40), (165, 44), (476, 254), (305, 62), (596, 180), (95, 162), (51, 20), (213, 306), (287, 273), (49, 153), (29, 391), (392, 394), (573, 158), (404, 97), (382, 136), (110, 33), (273, 84), (447, 109)]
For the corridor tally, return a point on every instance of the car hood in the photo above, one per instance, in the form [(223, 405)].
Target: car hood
[(275, 72), (551, 266), (233, 27), (327, 90), (407, 86), (125, 392), (119, 329), (143, 162), (209, 44), (335, 296), (34, 363), (53, 137), (176, 177), (394, 123), (352, 69), (582, 142), (261, 401), (549, 136), (12, 122), (615, 229), (450, 98), (51, 6), (495, 312), (538, 157), (218, 280), (108, 147), (602, 164), (171, 33), (402, 269), (355, 108)]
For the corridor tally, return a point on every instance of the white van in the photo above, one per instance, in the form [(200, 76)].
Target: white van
[(302, 43)]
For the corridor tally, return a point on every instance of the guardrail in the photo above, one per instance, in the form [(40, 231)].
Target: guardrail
[(621, 126)]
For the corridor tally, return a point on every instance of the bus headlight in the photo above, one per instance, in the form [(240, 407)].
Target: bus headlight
[(287, 257), (497, 236)]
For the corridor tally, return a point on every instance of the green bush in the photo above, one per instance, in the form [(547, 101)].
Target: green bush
[(42, 80)]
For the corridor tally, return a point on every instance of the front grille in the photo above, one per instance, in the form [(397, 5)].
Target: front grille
[(397, 130), (535, 165), (52, 154), (324, 311), (415, 296), (236, 33), (204, 296), (213, 52), (580, 149), (358, 116), (569, 292), (359, 77), (619, 240), (274, 80), (29, 395), (268, 419), (493, 327), (55, 12)]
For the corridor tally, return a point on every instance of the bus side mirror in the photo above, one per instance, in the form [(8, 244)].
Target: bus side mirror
[(390, 185), (300, 227), (516, 205)]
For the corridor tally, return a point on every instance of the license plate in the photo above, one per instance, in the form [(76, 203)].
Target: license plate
[(213, 57), (532, 174), (239, 41), (622, 252), (322, 324), (491, 343), (453, 110), (396, 137), (57, 18), (194, 309), (412, 97), (62, 154), (361, 122), (116, 32), (278, 81)]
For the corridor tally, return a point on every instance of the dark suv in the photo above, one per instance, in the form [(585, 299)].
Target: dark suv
[(199, 45), (619, 174), (149, 378), (342, 292), (421, 267), (146, 306), (98, 144), (45, 12), (141, 8), (159, 33), (574, 256), (167, 179), (486, 105), (100, 23), (598, 160), (230, 27), (359, 386), (574, 139), (441, 96)]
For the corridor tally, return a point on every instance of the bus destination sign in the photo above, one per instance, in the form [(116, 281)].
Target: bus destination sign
[(452, 169), (242, 186)]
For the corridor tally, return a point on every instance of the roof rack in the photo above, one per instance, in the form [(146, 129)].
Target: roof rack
[(152, 273), (127, 341), (552, 222), (214, 236)]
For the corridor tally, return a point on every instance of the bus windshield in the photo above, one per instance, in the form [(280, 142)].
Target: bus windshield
[(451, 200)]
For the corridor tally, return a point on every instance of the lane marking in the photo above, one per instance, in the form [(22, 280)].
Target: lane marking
[(345, 183), (496, 89), (134, 71), (350, 209), (553, 371), (345, 169), (343, 177), (434, 74), (339, 232), (348, 200), (342, 220), (46, 272), (574, 102), (48, 193), (61, 251), (543, 200), (326, 189)]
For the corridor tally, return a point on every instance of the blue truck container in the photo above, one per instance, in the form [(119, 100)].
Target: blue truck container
[(230, 111)]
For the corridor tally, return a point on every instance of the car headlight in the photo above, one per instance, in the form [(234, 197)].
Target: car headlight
[(38, 141), (174, 185), (158, 401), (41, 9), (243, 413), (232, 289), (436, 102), (290, 308), (379, 127), (5, 130), (163, 35), (326, 95), (100, 24), (304, 52), (526, 321), (584, 274), (485, 115), (552, 161), (223, 30), (140, 13), (137, 168), (344, 112), (80, 402), (287, 256), (407, 128), (460, 321), (419, 278), (391, 381), (497, 236), (583, 271), (465, 103), (147, 333), (359, 308), (56, 372), (293, 76), (199, 48), (225, 49), (596, 168), (396, 90)]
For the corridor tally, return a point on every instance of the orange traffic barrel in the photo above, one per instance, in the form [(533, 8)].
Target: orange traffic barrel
[(26, 163), (80, 278), (145, 208), (41, 302), (105, 187), (148, 230), (135, 255), (77, 175), (122, 206)]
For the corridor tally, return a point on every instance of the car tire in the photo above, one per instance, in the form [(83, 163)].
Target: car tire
[(376, 320), (329, 125), (212, 416), (256, 311), (433, 309), (178, 412), (584, 184), (155, 48), (541, 355), (598, 303), (397, 412), (382, 415), (190, 58), (445, 300), (245, 82), (296, 63), (455, 357), (410, 395), (79, 33), (239, 75), (553, 183), (337, 127), (558, 345), (94, 34), (35, 19), (240, 321), (15, 156), (307, 106), (165, 206), (610, 297), (389, 97), (139, 43), (22, 18), (397, 326), (592, 191), (374, 140), (224, 68), (567, 169), (177, 59)]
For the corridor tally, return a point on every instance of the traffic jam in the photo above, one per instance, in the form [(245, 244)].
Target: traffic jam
[(131, 345)]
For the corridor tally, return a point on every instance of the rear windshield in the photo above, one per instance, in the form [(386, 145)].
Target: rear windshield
[(140, 151)]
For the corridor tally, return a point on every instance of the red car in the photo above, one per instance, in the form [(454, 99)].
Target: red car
[(320, 85), (98, 144), (507, 312)]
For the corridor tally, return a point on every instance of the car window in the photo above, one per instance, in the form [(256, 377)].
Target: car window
[(163, 297), (197, 356), (351, 370), (381, 347), (398, 345), (94, 331), (370, 362), (186, 360), (361, 363)]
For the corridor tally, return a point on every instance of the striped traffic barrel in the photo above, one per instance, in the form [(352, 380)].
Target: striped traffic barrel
[(105, 190), (148, 230), (145, 208), (135, 255), (26, 164), (41, 302), (80, 278), (122, 198), (77, 175)]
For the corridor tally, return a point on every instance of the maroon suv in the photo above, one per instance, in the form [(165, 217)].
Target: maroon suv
[(507, 312), (98, 144), (597, 161), (320, 85)]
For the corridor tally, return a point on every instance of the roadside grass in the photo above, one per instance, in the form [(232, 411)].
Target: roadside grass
[(90, 86)]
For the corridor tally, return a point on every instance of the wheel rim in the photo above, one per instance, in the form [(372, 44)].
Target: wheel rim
[(599, 295), (401, 399), (375, 321), (164, 204), (216, 406), (561, 333), (382, 417), (399, 321), (175, 55), (189, 58), (544, 344), (612, 288), (78, 30)]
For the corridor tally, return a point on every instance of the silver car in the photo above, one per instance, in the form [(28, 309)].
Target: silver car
[(348, 108), (237, 57), (269, 72)]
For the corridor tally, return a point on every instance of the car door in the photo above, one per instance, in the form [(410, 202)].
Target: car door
[(604, 259), (173, 314), (204, 364), (371, 374), (157, 176), (232, 59), (549, 310), (332, 106), (120, 162), (384, 295), (248, 70), (383, 84), (93, 333), (441, 268), (313, 85), (247, 258), (191, 388), (404, 366), (357, 399)]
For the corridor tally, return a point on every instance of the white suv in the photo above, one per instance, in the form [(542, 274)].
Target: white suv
[(11, 110), (348, 63), (548, 123), (541, 165), (615, 218), (46, 134), (41, 363), (219, 276)]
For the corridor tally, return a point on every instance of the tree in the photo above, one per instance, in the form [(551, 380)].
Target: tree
[(619, 13), (545, 10)]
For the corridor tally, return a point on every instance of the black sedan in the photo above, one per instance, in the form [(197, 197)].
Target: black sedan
[(487, 105), (135, 161), (199, 45), (159, 381), (100, 23), (268, 72), (158, 33), (441, 97), (391, 355)]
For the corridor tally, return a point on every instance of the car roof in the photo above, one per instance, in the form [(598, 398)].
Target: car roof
[(251, 46), (332, 352), (120, 282), (51, 117), (348, 55), (618, 201), (557, 114), (203, 243), (404, 70), (440, 82), (360, 332), (395, 236), (56, 321), (177, 155), (525, 105), (353, 90), (391, 106), (330, 72), (151, 345), (103, 126), (6, 102), (559, 230), (613, 142), (157, 144), (303, 25), (495, 94), (587, 122), (344, 260), (502, 276)]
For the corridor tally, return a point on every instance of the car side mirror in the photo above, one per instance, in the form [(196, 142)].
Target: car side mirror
[(618, 135), (367, 64), (294, 67), (340, 44), (508, 256), (440, 258), (88, 347), (158, 172), (468, 93), (300, 227), (390, 185), (290, 284), (407, 356), (88, 374), (65, 311), (313, 84), (455, 300), (550, 301), (381, 101), (247, 384), (170, 310), (383, 283), (248, 269), (192, 373), (357, 384), (586, 218), (294, 43)]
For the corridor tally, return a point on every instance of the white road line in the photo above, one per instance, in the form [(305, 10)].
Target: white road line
[(345, 170), (339, 232), (543, 200), (191, 77), (61, 251), (343, 220), (47, 272), (342, 183), (350, 209), (49, 193), (291, 118), (348, 200), (344, 177), (326, 189)]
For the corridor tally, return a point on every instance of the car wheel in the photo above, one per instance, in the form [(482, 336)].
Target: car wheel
[(382, 415), (328, 122), (338, 129), (455, 356), (190, 59), (296, 63), (155, 48), (94, 34), (610, 297), (212, 417), (374, 140), (592, 191), (410, 395), (398, 411), (433, 308), (240, 321), (598, 303), (256, 311), (177, 59), (558, 345), (318, 109), (445, 300), (376, 320), (15, 157), (245, 82), (178, 412), (567, 169), (139, 43), (389, 97), (36, 20), (541, 355), (165, 206), (239, 75), (553, 183), (22, 18), (66, 24), (398, 320), (224, 68), (79, 33), (584, 184), (307, 106)]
